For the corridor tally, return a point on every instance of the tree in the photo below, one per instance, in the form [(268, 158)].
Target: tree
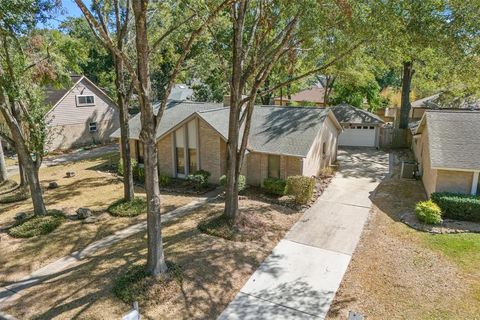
[(189, 25), (3, 166), (263, 33), (30, 60), (119, 12)]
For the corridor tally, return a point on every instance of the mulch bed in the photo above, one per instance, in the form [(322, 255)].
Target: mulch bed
[(447, 226)]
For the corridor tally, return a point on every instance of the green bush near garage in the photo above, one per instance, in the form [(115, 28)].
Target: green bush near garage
[(458, 206)]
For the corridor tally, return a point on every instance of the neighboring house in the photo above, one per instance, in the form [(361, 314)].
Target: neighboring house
[(313, 96), (360, 127), (283, 141), (446, 145), (181, 92), (81, 114)]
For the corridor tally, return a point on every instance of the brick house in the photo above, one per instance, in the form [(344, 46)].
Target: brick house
[(446, 146), (81, 114), (283, 141)]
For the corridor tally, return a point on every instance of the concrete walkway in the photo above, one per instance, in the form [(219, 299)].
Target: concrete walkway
[(10, 293), (75, 155), (301, 276)]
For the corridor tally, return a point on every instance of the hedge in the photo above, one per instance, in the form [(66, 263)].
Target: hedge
[(274, 186), (428, 212), (458, 206), (199, 179), (301, 188)]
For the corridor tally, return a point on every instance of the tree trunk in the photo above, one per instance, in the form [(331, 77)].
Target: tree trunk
[(3, 166), (155, 257), (128, 189), (405, 106), (23, 175), (231, 187)]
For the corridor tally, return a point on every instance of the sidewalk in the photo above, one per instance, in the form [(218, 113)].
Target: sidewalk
[(10, 293), (301, 276)]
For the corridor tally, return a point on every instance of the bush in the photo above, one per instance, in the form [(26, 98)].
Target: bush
[(242, 182), (428, 212), (120, 168), (139, 173), (274, 186), (199, 179), (301, 188), (458, 206), (135, 284), (37, 225), (164, 180), (122, 208), (15, 195)]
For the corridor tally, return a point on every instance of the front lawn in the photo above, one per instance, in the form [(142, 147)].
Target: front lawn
[(209, 273), (400, 273), (90, 188)]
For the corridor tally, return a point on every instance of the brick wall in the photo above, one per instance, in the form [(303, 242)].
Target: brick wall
[(165, 155), (210, 151)]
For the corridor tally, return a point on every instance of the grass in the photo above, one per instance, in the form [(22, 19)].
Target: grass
[(90, 188), (213, 270), (122, 208), (136, 284), (7, 186), (16, 195), (37, 225), (461, 249)]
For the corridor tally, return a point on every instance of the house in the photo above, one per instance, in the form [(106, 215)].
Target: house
[(312, 97), (81, 114), (360, 127), (446, 145), (283, 141)]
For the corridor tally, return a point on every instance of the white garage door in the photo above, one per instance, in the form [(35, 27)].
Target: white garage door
[(358, 136)]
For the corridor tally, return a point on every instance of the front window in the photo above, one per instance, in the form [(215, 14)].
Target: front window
[(85, 100), (192, 160), (273, 166), (180, 156), (92, 126)]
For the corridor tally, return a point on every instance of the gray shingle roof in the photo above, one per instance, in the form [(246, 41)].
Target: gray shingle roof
[(175, 112), (275, 130), (349, 114), (454, 139), (53, 95)]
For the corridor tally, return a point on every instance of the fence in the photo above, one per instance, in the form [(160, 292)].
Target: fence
[(394, 138)]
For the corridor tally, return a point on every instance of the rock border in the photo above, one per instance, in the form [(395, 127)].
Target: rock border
[(448, 226)]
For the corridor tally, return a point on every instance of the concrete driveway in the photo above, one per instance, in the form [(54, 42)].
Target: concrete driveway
[(299, 279)]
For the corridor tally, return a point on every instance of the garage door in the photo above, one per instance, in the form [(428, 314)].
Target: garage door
[(358, 136)]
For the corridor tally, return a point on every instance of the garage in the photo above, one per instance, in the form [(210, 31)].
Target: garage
[(360, 127)]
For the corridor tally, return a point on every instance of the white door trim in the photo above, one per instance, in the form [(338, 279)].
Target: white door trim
[(475, 183)]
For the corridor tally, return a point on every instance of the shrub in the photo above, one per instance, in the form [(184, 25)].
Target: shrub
[(120, 168), (139, 173), (135, 284), (164, 180), (428, 212), (301, 188), (458, 206), (122, 208), (15, 195), (274, 186), (37, 225), (199, 179), (242, 182)]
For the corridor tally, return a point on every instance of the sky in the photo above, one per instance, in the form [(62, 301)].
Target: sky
[(69, 8)]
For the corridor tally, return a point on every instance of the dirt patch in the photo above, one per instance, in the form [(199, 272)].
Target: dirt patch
[(213, 271), (395, 272), (89, 188)]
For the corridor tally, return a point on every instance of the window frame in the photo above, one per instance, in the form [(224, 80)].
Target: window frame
[(92, 125), (79, 104)]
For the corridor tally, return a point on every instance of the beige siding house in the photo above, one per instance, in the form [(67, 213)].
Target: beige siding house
[(283, 141), (446, 145), (80, 115)]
